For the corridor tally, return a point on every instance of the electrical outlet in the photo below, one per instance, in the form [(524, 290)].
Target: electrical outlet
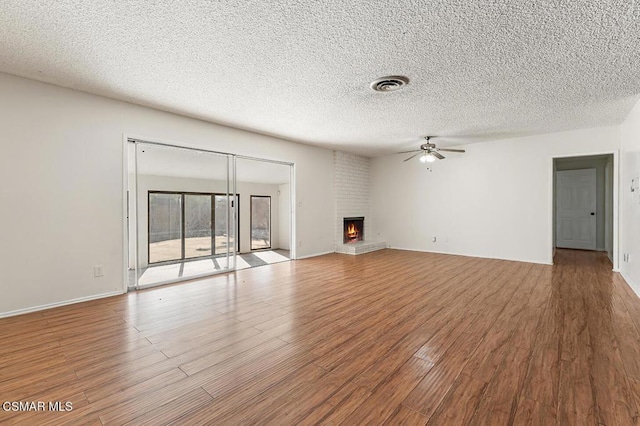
[(299, 243), (98, 271), (626, 257), (434, 239)]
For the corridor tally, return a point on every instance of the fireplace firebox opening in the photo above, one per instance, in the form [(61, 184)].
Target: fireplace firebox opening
[(353, 230)]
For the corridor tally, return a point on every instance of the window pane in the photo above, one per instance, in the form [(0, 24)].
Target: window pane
[(197, 225), (260, 222), (221, 226), (165, 227)]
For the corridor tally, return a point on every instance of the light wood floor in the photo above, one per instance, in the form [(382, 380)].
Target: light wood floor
[(390, 337)]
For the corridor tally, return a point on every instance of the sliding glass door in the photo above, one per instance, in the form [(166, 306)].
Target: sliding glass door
[(222, 209), (188, 226), (185, 223), (197, 225), (165, 227)]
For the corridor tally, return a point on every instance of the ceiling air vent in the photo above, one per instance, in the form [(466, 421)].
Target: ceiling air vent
[(389, 84)]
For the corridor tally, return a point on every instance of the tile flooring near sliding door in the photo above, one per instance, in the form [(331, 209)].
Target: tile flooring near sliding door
[(389, 337), (198, 267)]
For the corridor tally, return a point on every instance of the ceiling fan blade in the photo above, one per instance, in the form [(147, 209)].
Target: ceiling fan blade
[(451, 150), (406, 152), (438, 155), (414, 155)]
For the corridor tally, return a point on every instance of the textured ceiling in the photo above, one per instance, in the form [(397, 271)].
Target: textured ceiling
[(301, 69)]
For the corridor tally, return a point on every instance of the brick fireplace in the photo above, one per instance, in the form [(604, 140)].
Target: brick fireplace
[(352, 205)]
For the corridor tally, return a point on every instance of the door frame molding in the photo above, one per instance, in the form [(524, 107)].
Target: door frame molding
[(616, 193)]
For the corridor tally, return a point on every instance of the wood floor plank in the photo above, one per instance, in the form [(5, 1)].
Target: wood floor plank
[(628, 338), (293, 410), (451, 411), (542, 380), (524, 336), (220, 381), (406, 417), (205, 331), (233, 357), (336, 339), (532, 413), (174, 409), (401, 352), (346, 407), (431, 390), (111, 395), (490, 352), (576, 394), (383, 402), (80, 355), (500, 399), (346, 392), (288, 389), (282, 375)]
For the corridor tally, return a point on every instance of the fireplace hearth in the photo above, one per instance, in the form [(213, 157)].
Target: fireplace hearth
[(353, 230)]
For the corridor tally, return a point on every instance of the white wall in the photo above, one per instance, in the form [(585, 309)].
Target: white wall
[(493, 201), (630, 201), (62, 163), (284, 219)]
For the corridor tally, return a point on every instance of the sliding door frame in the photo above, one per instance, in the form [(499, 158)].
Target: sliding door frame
[(231, 216), (130, 234)]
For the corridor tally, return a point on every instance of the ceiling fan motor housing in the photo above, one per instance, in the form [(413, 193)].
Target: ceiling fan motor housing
[(427, 146)]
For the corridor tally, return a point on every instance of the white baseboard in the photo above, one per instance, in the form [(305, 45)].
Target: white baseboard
[(472, 255), (632, 285), (314, 255), (58, 304)]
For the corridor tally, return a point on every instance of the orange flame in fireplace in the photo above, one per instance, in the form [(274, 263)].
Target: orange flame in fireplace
[(351, 231)]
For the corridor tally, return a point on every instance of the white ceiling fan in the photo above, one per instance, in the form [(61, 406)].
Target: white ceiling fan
[(429, 152)]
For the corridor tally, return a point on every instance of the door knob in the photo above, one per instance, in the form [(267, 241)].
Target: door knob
[(593, 214)]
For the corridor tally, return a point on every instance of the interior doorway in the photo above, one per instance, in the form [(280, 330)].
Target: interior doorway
[(583, 203), (576, 205)]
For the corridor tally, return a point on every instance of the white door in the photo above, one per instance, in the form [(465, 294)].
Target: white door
[(576, 209)]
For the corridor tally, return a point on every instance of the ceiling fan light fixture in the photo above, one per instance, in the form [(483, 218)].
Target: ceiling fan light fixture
[(428, 152)]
